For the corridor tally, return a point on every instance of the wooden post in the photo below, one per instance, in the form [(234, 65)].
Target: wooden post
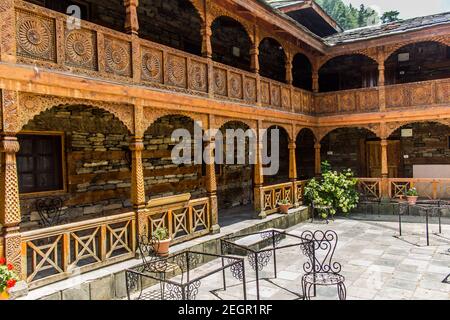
[(288, 66), (7, 31), (131, 18), (381, 81), (254, 51), (315, 80), (258, 179), (10, 216), (137, 184), (384, 169), (317, 160), (211, 183), (293, 170)]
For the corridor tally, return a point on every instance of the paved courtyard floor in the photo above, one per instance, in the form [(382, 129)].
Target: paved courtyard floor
[(376, 263)]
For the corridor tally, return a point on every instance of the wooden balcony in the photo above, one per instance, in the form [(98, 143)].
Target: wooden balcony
[(43, 39)]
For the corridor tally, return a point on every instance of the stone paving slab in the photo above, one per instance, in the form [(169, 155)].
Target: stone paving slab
[(376, 264)]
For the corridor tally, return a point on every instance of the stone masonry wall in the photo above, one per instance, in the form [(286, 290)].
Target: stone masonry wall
[(98, 174), (429, 145)]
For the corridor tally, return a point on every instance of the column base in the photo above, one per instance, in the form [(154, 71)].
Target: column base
[(19, 290), (260, 215)]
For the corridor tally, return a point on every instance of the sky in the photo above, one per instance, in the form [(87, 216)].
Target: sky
[(407, 8)]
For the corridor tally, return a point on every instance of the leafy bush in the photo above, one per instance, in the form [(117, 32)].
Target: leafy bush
[(334, 190), (412, 192)]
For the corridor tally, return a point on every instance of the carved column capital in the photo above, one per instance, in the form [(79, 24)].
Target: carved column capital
[(131, 19), (9, 144)]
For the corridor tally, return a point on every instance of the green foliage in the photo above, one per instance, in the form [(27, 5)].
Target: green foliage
[(334, 190), (390, 16), (412, 192), (161, 234), (325, 167), (285, 202), (348, 16)]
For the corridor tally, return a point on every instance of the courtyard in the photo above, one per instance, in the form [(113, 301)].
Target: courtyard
[(377, 264)]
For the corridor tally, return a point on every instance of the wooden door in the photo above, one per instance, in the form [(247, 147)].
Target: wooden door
[(373, 157)]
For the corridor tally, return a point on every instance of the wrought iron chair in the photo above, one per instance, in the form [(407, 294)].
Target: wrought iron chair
[(50, 212), (320, 270), (152, 263)]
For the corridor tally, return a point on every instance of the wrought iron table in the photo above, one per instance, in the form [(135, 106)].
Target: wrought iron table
[(187, 262), (260, 258), (427, 206)]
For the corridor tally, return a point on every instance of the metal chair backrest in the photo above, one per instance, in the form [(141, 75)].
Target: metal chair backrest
[(49, 210), (148, 247), (321, 252)]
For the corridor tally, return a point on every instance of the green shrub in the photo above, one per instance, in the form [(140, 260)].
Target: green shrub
[(161, 234), (335, 190)]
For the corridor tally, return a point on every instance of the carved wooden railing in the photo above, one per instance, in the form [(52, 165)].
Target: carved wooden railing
[(418, 94), (370, 187), (55, 253), (347, 101), (300, 191), (184, 219), (44, 39), (272, 195), (427, 188)]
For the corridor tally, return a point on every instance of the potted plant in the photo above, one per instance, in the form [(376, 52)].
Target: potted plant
[(8, 278), (284, 206), (412, 195), (162, 245)]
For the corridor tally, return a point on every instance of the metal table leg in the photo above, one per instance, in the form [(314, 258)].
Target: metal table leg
[(428, 236)]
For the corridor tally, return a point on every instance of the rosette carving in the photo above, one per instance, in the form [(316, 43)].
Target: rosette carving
[(235, 86), (197, 76), (176, 71), (220, 82), (117, 55), (35, 36), (80, 49), (152, 65)]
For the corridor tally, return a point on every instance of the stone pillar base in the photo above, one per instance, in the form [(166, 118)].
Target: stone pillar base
[(215, 229)]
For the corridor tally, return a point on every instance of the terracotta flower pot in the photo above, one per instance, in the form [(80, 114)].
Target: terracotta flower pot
[(412, 199), (162, 248), (284, 208), (4, 295)]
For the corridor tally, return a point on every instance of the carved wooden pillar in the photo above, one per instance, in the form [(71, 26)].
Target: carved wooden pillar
[(317, 160), (137, 184), (131, 18), (254, 62), (315, 80), (258, 179), (10, 216), (384, 169), (288, 66), (381, 81), (7, 31), (292, 161), (206, 41), (211, 183)]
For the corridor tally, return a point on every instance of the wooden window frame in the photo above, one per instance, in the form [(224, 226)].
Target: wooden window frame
[(64, 189)]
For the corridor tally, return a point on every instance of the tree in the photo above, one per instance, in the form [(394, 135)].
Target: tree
[(348, 16), (390, 16)]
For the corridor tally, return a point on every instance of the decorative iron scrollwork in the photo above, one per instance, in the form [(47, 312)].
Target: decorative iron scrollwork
[(261, 259)]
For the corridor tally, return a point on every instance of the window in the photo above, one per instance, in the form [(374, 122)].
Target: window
[(39, 163)]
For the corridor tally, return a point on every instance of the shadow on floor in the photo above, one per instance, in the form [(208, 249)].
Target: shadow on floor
[(237, 214)]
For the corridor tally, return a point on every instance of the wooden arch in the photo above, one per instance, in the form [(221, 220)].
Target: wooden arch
[(151, 115), (391, 127), (31, 105), (216, 11), (324, 131), (371, 55), (390, 50)]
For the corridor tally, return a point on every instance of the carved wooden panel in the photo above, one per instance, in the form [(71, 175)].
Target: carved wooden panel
[(297, 101), (250, 89), (265, 92), (275, 95), (395, 97), (81, 48), (347, 102), (421, 94), (443, 92), (235, 83), (198, 76), (175, 73), (326, 103), (117, 57), (35, 36), (286, 98), (220, 82), (152, 65), (367, 100)]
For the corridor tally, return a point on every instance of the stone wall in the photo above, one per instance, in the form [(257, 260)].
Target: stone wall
[(342, 149), (110, 14), (175, 23), (282, 175), (234, 182), (98, 174), (229, 35), (305, 154), (163, 177), (428, 145)]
